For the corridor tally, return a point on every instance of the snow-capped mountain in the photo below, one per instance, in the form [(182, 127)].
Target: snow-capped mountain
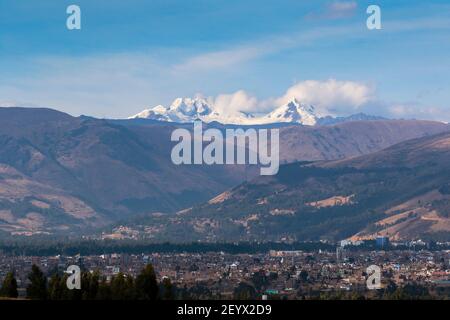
[(186, 110), (181, 110), (292, 112)]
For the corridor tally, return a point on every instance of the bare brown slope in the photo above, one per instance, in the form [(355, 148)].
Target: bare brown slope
[(351, 138), (115, 171), (122, 170), (402, 192)]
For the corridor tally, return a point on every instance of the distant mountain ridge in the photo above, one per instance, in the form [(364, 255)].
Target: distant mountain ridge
[(328, 120), (401, 192), (64, 174), (186, 110)]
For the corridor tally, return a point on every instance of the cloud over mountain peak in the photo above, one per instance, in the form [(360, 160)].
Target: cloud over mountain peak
[(186, 110)]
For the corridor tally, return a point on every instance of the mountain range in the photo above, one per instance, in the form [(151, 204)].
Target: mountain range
[(66, 175), (186, 110), (61, 173), (402, 192)]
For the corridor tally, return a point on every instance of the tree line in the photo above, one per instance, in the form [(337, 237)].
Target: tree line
[(44, 247), (94, 286)]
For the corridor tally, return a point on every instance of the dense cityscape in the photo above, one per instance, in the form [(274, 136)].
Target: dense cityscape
[(418, 272)]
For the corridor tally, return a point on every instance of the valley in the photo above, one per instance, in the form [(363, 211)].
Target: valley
[(401, 192), (65, 175)]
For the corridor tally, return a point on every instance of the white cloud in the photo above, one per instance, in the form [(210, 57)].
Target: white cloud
[(220, 59), (102, 86), (228, 104), (223, 59), (330, 96), (117, 85), (16, 103), (413, 110), (340, 9), (5, 103), (335, 10)]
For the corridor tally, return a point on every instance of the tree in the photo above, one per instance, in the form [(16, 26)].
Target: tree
[(303, 276), (9, 286), (118, 286), (244, 291), (104, 290), (146, 284), (260, 280), (37, 289), (54, 288), (167, 289), (122, 287), (90, 285)]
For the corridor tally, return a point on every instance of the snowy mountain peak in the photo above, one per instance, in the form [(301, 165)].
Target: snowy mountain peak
[(294, 112), (155, 113), (294, 103), (188, 110), (191, 107), (181, 110), (185, 110)]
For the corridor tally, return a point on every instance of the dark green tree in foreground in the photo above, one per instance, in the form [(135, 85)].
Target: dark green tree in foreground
[(104, 290), (9, 286), (146, 284), (93, 286), (37, 289), (55, 287), (244, 291), (90, 285), (167, 289), (122, 287)]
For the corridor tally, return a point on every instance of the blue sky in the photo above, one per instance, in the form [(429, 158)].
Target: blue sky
[(248, 55)]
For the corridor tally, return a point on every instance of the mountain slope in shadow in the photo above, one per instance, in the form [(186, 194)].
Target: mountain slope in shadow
[(402, 192), (61, 173)]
